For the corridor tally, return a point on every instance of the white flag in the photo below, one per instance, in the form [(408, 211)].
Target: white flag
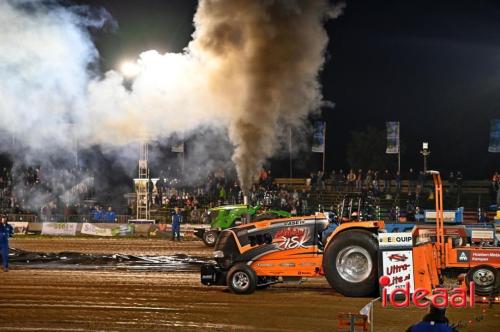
[(367, 310)]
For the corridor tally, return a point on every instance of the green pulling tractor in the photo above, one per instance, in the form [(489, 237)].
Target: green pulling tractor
[(227, 216)]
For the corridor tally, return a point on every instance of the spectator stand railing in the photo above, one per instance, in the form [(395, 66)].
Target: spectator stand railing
[(119, 219)]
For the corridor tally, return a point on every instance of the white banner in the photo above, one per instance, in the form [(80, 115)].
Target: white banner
[(91, 229), (20, 227), (398, 266), (59, 228), (448, 216), (387, 240)]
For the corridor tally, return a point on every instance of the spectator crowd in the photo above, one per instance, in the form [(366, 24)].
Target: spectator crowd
[(379, 181), (219, 188)]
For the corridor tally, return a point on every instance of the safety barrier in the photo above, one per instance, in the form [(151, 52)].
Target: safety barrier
[(102, 229), (81, 218), (22, 217), (77, 218)]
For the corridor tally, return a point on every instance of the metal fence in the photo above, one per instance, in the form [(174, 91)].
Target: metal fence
[(120, 219), (194, 218)]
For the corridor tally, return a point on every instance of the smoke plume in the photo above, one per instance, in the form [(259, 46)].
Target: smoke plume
[(251, 69), (266, 55)]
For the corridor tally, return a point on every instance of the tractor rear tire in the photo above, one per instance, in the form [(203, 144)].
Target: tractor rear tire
[(241, 279), (485, 278), (350, 263), (210, 238)]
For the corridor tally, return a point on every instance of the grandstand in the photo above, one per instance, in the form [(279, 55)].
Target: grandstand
[(474, 195)]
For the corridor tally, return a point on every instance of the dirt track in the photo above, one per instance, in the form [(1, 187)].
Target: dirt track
[(89, 300)]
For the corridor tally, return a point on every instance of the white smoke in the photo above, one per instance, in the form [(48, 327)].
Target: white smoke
[(251, 67), (45, 53)]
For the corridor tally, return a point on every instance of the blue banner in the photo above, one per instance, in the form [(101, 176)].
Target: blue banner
[(392, 137), (318, 144), (494, 136)]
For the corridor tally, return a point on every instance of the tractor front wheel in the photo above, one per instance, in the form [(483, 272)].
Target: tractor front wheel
[(242, 279), (210, 237)]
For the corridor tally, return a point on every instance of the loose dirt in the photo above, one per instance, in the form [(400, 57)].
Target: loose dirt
[(117, 300)]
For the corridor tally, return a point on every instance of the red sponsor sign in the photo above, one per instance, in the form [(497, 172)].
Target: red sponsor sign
[(485, 256), (440, 297)]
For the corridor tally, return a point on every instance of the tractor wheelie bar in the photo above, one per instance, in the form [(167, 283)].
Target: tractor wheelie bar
[(352, 257), (448, 255)]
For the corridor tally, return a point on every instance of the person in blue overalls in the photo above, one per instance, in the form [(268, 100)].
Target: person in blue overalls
[(176, 224), (434, 321), (6, 231)]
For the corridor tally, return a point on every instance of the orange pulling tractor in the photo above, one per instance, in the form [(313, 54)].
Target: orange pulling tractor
[(352, 257)]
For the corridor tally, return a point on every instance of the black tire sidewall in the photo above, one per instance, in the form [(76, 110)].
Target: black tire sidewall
[(252, 277), (363, 239), (205, 235), (479, 290)]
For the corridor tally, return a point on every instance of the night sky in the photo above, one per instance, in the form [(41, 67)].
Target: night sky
[(432, 65)]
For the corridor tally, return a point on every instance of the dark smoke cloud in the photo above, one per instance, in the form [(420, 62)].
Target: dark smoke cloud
[(265, 56)]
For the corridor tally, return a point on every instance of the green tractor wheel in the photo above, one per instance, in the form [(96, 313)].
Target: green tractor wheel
[(210, 237)]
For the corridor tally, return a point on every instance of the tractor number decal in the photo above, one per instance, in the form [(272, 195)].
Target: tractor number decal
[(291, 238)]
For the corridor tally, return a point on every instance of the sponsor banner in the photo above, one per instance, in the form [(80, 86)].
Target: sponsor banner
[(123, 230), (426, 233), (20, 227), (478, 235), (391, 240), (392, 137), (319, 130), (398, 266), (160, 230), (59, 228), (494, 136), (91, 229), (448, 216), (490, 256)]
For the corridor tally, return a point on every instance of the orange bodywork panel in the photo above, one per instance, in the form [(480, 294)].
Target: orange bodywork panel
[(292, 262), (425, 270), (267, 223), (468, 257), (300, 262)]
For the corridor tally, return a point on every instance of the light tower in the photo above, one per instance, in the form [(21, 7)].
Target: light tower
[(142, 183), (425, 152)]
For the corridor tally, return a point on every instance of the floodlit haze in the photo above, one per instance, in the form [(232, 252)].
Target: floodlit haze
[(251, 69)]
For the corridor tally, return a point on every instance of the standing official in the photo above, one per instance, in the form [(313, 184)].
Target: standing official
[(6, 231), (176, 224)]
